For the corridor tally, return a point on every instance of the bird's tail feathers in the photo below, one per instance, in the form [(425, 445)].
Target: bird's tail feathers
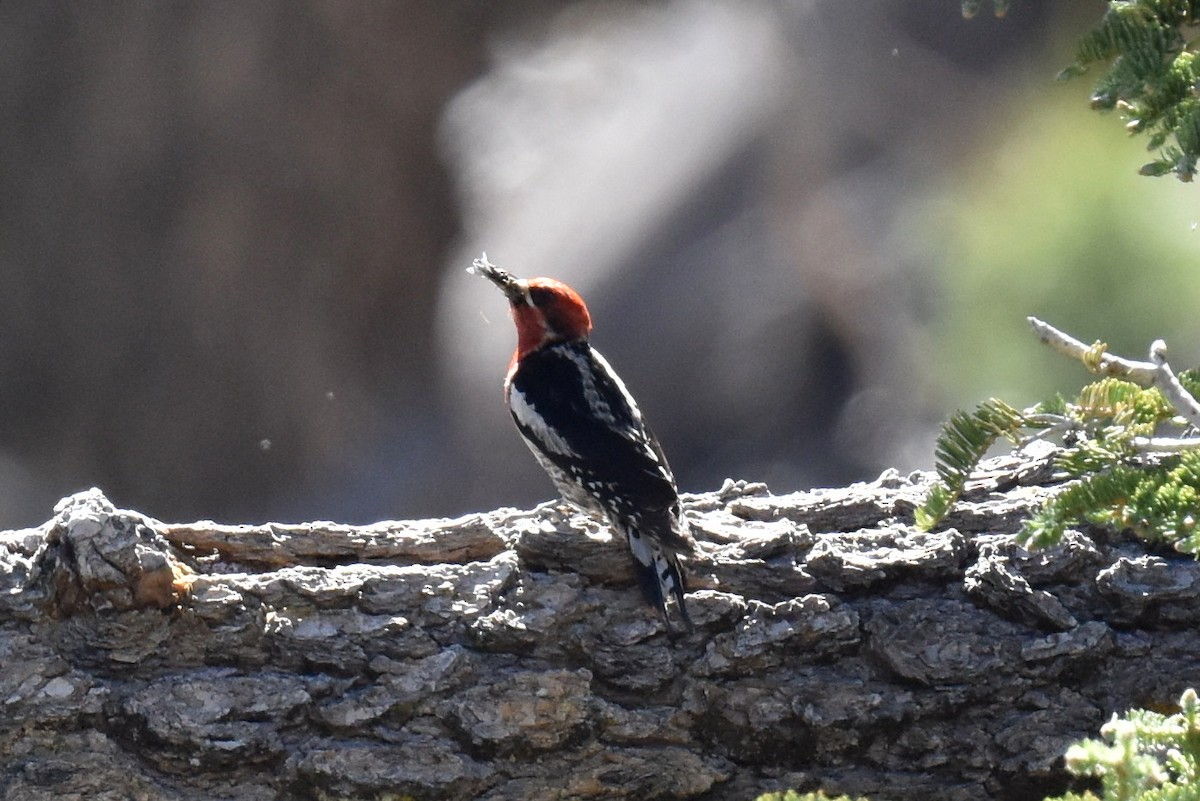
[(659, 573)]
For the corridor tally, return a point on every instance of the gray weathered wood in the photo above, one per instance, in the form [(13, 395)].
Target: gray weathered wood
[(506, 655)]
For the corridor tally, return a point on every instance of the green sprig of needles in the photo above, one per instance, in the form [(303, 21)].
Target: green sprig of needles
[(1151, 78), (1112, 480)]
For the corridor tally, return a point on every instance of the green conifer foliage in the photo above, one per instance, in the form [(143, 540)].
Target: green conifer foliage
[(1151, 78), (1143, 756), (1110, 479)]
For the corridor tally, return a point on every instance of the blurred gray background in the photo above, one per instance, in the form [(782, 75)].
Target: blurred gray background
[(233, 238)]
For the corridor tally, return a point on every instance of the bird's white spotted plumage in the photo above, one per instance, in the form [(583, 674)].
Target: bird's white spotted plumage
[(587, 432)]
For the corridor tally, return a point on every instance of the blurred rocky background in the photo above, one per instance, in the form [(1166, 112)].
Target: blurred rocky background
[(232, 239)]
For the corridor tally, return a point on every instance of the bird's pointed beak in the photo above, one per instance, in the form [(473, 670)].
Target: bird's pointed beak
[(512, 287)]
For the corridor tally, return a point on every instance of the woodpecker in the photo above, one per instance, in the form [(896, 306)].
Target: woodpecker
[(587, 432)]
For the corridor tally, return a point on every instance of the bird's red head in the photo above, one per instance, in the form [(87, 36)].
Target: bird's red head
[(549, 311), (544, 310)]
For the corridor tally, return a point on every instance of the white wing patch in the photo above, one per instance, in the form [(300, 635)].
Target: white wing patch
[(527, 416)]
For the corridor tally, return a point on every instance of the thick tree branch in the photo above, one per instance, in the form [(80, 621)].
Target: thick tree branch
[(507, 655)]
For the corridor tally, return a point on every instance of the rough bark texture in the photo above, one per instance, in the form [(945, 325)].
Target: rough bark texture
[(507, 656)]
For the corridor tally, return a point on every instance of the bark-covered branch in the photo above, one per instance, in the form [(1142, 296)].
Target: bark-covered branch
[(506, 655)]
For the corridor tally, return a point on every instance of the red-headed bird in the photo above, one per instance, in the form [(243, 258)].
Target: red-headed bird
[(587, 432)]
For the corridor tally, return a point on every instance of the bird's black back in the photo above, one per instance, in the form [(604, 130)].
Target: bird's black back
[(609, 445)]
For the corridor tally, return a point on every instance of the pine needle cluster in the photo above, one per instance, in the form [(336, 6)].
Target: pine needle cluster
[(1111, 479), (1151, 78), (1143, 756)]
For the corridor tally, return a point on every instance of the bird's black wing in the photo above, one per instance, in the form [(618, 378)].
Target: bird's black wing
[(569, 403)]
